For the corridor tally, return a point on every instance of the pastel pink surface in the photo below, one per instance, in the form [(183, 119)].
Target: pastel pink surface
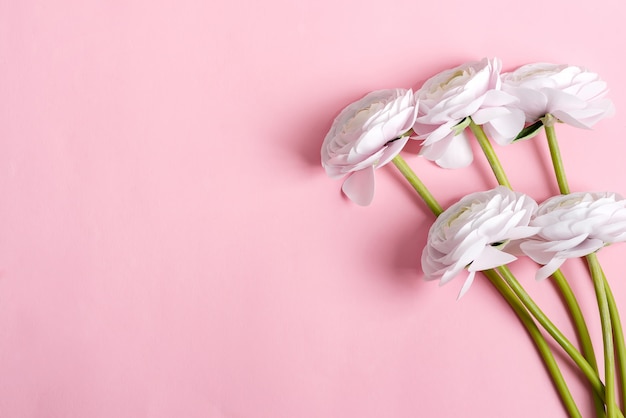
[(170, 245)]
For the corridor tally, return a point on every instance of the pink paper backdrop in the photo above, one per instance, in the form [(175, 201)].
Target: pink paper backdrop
[(171, 247)]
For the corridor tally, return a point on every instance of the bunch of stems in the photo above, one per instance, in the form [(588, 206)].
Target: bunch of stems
[(604, 391)]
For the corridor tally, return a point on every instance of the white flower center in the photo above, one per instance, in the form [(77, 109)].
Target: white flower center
[(455, 75)]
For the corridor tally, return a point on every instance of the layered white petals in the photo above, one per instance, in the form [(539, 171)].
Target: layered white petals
[(571, 94), (474, 232), (367, 135), (470, 90), (505, 128), (574, 225)]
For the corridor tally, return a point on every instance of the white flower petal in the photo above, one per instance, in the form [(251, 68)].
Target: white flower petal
[(359, 186), (436, 150), (537, 251), (467, 284), (547, 270), (532, 103), (490, 258), (371, 141), (505, 129), (585, 248), (434, 133), (559, 100), (521, 232), (498, 98), (392, 150), (583, 118), (485, 115), (458, 153)]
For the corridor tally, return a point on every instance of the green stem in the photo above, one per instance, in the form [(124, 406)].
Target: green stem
[(577, 316), (538, 338), (618, 336), (607, 333), (417, 184), (581, 330), (489, 152), (555, 154), (558, 336)]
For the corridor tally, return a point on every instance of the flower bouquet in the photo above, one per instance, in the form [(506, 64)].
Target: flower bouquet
[(487, 230)]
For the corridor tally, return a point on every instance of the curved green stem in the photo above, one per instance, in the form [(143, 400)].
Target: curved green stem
[(417, 184), (607, 334), (618, 336), (489, 152), (538, 338), (577, 317), (555, 154), (581, 330), (558, 336)]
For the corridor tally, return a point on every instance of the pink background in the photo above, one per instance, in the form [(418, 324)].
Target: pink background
[(171, 247)]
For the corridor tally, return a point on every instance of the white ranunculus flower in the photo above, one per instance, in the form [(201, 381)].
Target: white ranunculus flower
[(367, 135), (571, 94), (474, 233), (574, 225), (445, 100)]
